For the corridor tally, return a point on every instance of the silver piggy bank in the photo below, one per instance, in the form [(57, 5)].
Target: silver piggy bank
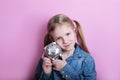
[(53, 51)]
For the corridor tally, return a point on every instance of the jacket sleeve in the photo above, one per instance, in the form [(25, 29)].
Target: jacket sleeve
[(89, 71), (69, 73), (39, 74)]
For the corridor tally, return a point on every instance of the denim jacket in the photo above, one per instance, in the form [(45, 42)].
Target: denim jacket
[(80, 66)]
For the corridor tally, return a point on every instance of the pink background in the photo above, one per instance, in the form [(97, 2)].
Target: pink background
[(23, 26)]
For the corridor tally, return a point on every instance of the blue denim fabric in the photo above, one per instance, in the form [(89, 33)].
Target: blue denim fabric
[(80, 66)]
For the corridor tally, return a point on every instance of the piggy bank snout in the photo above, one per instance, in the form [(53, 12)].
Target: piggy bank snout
[(53, 51)]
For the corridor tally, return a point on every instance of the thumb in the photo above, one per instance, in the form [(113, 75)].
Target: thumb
[(43, 55)]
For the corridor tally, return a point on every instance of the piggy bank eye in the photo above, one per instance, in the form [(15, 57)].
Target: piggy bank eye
[(47, 48), (52, 44)]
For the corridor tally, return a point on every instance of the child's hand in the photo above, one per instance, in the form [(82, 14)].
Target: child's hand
[(58, 64), (47, 64)]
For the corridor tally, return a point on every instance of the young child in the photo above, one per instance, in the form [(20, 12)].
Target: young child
[(76, 63)]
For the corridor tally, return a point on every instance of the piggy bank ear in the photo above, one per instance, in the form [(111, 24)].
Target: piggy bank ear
[(53, 43), (45, 47)]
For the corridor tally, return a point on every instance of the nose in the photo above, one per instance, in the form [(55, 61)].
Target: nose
[(65, 40)]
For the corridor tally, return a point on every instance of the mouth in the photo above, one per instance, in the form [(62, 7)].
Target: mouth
[(67, 45)]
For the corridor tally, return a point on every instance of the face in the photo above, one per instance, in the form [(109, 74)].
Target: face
[(64, 36)]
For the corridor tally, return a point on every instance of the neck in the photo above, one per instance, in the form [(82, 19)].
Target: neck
[(66, 54)]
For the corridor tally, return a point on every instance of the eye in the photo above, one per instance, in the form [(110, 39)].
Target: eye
[(58, 38), (68, 34)]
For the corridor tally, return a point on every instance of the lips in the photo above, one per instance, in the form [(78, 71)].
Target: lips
[(67, 45)]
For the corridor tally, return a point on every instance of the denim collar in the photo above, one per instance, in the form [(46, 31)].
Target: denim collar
[(78, 53)]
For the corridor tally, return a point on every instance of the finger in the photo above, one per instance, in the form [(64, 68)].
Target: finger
[(54, 68), (43, 55), (54, 63), (46, 59), (47, 64)]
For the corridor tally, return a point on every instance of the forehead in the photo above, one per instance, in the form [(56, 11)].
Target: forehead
[(60, 30)]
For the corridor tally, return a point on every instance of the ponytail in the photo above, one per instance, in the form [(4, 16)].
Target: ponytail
[(80, 36), (47, 39)]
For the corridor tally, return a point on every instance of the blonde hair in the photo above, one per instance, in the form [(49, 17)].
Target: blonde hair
[(63, 19)]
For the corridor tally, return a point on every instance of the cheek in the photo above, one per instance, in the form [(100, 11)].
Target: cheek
[(59, 43), (73, 37)]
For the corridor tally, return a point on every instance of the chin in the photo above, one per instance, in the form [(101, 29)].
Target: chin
[(68, 48)]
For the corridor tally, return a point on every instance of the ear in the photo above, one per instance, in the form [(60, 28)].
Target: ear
[(75, 30)]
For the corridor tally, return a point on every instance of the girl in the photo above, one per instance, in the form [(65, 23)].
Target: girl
[(76, 63)]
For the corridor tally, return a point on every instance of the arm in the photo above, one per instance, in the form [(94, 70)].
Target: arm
[(39, 73), (89, 71), (69, 73)]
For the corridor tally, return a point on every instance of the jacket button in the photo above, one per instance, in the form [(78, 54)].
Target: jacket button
[(62, 71), (66, 76)]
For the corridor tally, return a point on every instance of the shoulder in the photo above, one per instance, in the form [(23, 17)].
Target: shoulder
[(81, 53)]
